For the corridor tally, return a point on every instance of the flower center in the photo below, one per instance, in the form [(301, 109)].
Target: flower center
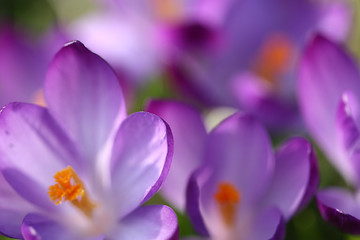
[(274, 57), (228, 198), (69, 187)]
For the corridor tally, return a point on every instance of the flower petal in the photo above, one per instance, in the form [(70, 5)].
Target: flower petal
[(348, 136), (326, 72), (141, 159), (93, 107), (256, 96), (118, 38), (33, 149), (37, 227), (295, 178), (13, 209), (341, 208), (193, 205), (268, 224), (346, 121), (189, 136), (149, 222), (336, 20), (239, 151)]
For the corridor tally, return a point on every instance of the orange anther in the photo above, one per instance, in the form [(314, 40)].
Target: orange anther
[(228, 199), (167, 9), (69, 187), (274, 58)]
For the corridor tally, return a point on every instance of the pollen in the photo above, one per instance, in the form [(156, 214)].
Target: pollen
[(70, 188), (274, 58), (227, 198)]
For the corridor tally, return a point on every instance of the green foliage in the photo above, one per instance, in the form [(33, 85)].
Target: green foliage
[(34, 16)]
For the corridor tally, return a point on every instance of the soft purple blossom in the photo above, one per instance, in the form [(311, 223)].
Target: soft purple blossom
[(270, 187), (137, 36), (247, 60), (81, 168), (329, 97)]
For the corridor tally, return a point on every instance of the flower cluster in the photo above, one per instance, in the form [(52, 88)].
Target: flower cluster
[(233, 96)]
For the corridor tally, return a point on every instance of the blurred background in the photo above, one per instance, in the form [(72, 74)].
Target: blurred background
[(140, 41)]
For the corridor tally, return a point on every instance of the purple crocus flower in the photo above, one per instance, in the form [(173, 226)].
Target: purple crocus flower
[(81, 166), (329, 97), (247, 59), (123, 30), (242, 190)]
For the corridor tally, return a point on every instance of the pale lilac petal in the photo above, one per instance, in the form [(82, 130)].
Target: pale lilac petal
[(346, 121), (141, 158), (341, 208), (119, 38), (337, 20), (268, 224), (348, 136), (38, 227), (326, 72), (84, 96), (33, 149), (155, 222), (189, 136), (240, 152), (295, 178), (10, 222), (13, 209)]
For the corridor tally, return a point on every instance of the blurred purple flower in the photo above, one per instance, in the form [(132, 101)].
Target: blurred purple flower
[(247, 59), (23, 63), (82, 167), (329, 97), (242, 189), (134, 35)]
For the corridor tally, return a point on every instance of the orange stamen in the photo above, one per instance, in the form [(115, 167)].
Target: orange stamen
[(39, 98), (167, 9), (228, 199), (69, 187), (274, 58)]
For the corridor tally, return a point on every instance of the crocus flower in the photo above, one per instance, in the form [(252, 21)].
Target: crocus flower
[(81, 165), (247, 60), (240, 189), (329, 97), (123, 30)]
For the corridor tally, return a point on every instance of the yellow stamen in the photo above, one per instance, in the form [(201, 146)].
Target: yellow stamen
[(69, 187), (228, 199), (274, 58)]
